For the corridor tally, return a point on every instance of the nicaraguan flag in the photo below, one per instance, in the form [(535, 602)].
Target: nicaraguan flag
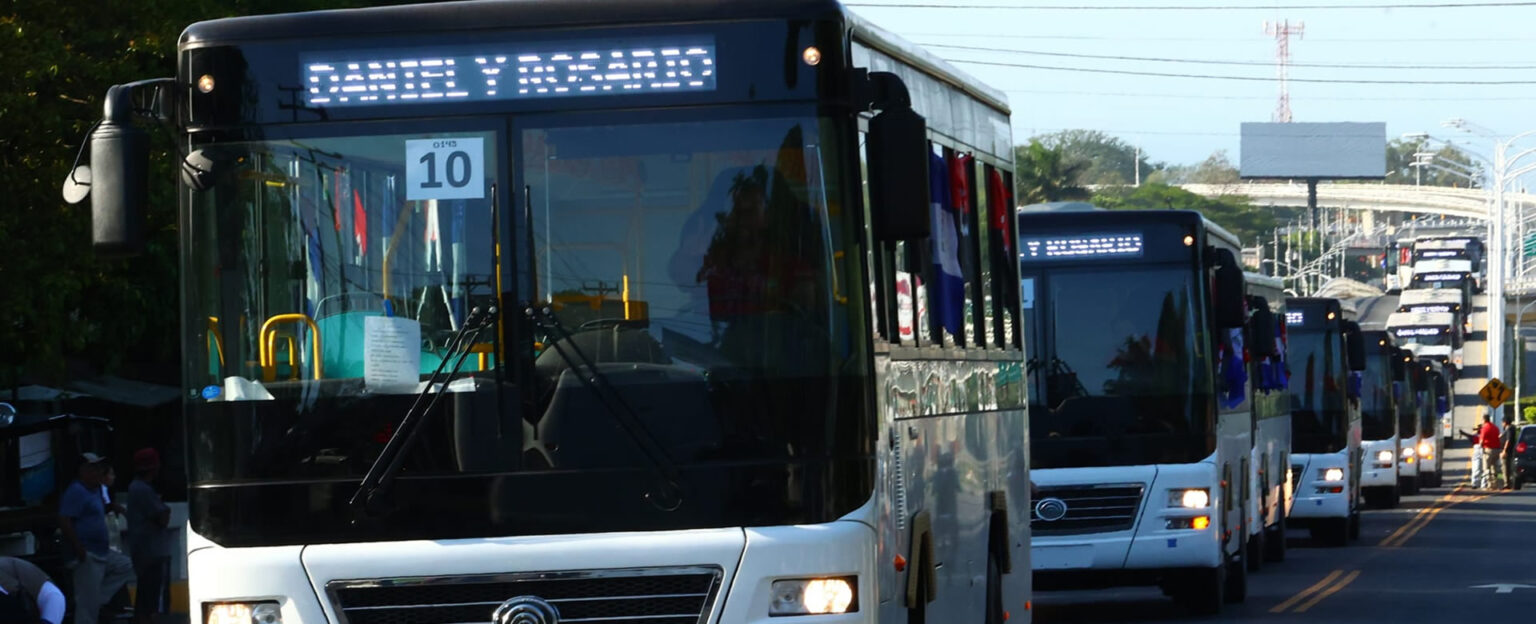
[(949, 282)]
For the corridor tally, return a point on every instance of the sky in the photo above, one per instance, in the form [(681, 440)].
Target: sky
[(1182, 120)]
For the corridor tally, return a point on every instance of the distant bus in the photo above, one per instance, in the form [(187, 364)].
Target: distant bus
[(1430, 334), (1435, 300), (1269, 494), (1323, 353), (1140, 446), (1380, 412), (1431, 425)]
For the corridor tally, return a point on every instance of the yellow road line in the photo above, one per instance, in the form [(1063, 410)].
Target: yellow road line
[(1396, 538), (1350, 578), (1280, 608)]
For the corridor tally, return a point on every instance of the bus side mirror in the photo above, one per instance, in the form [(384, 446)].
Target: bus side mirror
[(1261, 329), (1354, 343), (119, 178), (898, 155), (1230, 307), (1399, 365), (1443, 404)]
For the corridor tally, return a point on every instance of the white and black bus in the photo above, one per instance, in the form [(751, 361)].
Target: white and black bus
[(587, 312), (1325, 352), (1141, 431)]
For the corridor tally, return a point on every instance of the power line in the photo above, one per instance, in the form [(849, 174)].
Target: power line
[(1226, 39), (1196, 7), (1155, 59), (1255, 98), (1124, 72)]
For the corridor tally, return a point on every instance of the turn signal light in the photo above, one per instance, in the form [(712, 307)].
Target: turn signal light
[(1201, 522)]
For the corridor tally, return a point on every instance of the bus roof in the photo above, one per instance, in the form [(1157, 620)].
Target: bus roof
[(468, 15), (1442, 266), (1217, 232), (1429, 295), (1442, 243), (495, 14), (1417, 319)]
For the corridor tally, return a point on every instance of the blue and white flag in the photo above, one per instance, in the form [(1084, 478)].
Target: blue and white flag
[(949, 282)]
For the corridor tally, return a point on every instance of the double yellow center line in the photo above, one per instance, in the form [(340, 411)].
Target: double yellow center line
[(1310, 596), (1337, 580)]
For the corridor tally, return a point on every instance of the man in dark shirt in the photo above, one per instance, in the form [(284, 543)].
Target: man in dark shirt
[(148, 535), (1511, 439), (99, 570)]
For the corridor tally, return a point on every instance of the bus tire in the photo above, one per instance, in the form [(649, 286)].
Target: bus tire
[(1333, 532), (1274, 543), (994, 590), (1202, 591), (1237, 576), (1257, 546)]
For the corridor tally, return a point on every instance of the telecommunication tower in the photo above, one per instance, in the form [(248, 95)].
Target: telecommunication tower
[(1282, 32)]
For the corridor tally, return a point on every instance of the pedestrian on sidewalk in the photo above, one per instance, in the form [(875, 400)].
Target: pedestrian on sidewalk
[(1475, 469), (99, 571), (1511, 438), (1493, 466), (148, 535)]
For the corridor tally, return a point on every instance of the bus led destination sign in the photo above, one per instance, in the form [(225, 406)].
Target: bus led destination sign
[(508, 72), (1084, 246), (1419, 331)]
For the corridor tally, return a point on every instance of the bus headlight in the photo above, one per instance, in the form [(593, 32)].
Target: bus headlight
[(1337, 474), (243, 613), (1426, 451), (812, 596), (1408, 454), (1191, 499), (1384, 457)]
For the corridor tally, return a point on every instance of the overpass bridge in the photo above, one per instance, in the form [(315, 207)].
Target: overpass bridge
[(1436, 200)]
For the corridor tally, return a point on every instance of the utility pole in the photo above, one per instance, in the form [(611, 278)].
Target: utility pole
[(1282, 32)]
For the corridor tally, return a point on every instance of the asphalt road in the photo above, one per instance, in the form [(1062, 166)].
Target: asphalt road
[(1440, 557)]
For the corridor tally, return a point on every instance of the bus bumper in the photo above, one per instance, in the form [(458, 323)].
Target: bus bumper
[(1375, 473), (1317, 497)]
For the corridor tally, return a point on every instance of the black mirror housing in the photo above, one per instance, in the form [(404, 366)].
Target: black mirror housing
[(898, 175), (1230, 305), (1261, 328), (119, 178), (1354, 345)]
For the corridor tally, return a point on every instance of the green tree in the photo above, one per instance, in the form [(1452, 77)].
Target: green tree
[(1400, 158), (1248, 222), (1215, 169), (1043, 174), (60, 304), (1109, 159)]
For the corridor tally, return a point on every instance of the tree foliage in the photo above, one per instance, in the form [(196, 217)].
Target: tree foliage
[(1248, 222), (1400, 169), (1109, 160), (1044, 174), (61, 304), (1215, 169)]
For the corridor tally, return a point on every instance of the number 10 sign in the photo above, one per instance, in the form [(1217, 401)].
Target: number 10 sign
[(445, 168)]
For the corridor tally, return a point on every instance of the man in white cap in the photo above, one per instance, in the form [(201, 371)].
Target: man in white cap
[(99, 570)]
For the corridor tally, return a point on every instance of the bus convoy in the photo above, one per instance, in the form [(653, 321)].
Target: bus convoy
[(686, 311)]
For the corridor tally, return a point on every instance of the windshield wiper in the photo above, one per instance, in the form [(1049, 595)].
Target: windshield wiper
[(669, 495), (369, 498)]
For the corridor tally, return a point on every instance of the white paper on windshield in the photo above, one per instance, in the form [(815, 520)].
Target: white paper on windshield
[(1027, 292), (450, 168), (391, 354)]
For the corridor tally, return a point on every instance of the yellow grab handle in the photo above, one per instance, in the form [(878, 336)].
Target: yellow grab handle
[(268, 343)]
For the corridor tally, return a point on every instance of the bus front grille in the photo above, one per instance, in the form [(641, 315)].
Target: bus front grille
[(650, 595), (1089, 509)]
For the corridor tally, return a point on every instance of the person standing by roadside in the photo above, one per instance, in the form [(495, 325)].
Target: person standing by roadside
[(1488, 435), (1476, 477), (1511, 438), (148, 540), (27, 594), (99, 570)]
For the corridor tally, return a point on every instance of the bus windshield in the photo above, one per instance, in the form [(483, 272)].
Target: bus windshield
[(1318, 412), (1118, 368), (687, 269), (1378, 420)]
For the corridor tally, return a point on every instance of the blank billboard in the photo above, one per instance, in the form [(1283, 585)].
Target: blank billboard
[(1314, 150)]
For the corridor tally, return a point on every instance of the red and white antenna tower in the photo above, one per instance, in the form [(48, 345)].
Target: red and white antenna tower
[(1282, 32)]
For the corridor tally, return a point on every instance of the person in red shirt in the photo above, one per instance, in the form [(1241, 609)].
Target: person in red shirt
[(1493, 467)]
